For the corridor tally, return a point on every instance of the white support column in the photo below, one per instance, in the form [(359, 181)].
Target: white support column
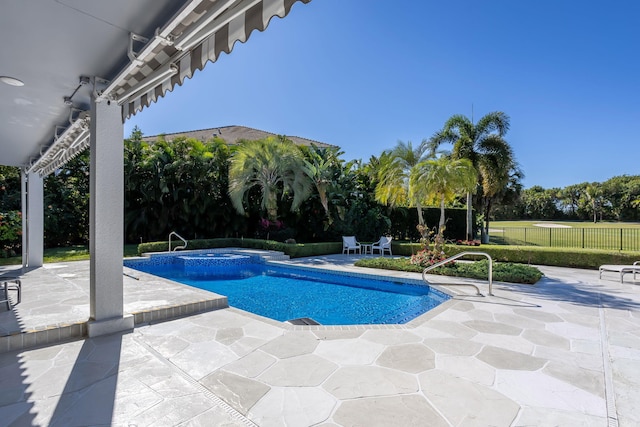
[(32, 220), (106, 221)]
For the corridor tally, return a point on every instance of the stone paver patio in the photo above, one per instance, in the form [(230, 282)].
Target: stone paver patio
[(563, 352)]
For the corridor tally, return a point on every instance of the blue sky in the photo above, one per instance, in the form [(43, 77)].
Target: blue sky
[(364, 74)]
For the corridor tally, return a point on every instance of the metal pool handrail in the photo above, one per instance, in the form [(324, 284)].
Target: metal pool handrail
[(173, 233), (459, 255)]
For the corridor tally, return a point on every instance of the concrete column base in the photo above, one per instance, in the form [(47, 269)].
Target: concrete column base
[(96, 328)]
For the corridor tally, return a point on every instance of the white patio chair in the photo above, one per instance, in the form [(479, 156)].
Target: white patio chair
[(382, 245), (349, 244)]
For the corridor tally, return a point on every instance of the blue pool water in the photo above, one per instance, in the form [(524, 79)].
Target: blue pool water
[(283, 293)]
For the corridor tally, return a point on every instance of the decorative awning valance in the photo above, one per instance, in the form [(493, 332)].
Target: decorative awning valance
[(185, 45), (195, 35)]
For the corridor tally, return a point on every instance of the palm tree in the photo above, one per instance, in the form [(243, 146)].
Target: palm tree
[(321, 166), (593, 193), (441, 180), (394, 172), (275, 166), (484, 144)]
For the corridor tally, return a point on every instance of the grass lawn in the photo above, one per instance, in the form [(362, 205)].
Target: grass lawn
[(572, 224), (568, 234), (72, 253)]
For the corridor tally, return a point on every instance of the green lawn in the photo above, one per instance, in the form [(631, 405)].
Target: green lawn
[(72, 253), (572, 224), (568, 234)]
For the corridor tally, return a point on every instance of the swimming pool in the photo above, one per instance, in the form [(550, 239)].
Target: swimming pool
[(285, 293)]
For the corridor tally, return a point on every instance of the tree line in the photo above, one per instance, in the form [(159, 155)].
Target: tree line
[(616, 199), (275, 189)]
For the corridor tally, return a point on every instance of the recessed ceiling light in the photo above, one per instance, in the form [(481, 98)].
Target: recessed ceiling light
[(11, 81)]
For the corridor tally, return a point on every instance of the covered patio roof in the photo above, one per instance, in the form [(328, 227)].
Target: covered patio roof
[(72, 72), (57, 54)]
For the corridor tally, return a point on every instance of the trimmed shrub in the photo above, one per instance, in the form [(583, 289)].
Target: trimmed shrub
[(294, 250), (503, 272), (560, 257)]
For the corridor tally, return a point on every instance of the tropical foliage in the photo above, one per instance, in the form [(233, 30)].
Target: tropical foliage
[(66, 204), (394, 171), (177, 186), (275, 167), (484, 145), (273, 188)]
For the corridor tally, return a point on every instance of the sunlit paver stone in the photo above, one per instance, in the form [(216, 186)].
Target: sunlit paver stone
[(466, 403), (542, 390), (412, 410), (518, 321), (390, 336), (540, 315), (581, 360), (453, 346), (338, 334), (586, 379), (413, 358), (252, 364), (490, 327), (467, 367), (547, 339), (449, 328), (350, 352), (293, 406), (360, 381), (201, 359), (229, 335), (514, 343), (239, 392), (292, 344), (506, 359), (530, 417), (304, 371)]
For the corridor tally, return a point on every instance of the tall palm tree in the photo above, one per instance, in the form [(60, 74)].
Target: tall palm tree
[(441, 180), (275, 166), (321, 165), (593, 193), (484, 145), (394, 172)]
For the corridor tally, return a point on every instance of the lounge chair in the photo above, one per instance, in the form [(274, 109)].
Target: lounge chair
[(622, 269), (349, 244), (384, 244)]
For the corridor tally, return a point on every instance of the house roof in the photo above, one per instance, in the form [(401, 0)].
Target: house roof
[(232, 134)]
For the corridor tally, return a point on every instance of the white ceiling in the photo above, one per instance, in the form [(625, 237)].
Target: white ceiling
[(49, 44)]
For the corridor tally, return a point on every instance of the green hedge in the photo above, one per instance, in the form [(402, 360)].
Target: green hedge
[(294, 250), (502, 272), (560, 257)]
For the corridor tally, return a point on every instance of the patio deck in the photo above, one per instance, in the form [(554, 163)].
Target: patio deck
[(562, 352)]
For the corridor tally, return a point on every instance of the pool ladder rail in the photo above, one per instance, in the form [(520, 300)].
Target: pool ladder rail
[(173, 233), (459, 255)]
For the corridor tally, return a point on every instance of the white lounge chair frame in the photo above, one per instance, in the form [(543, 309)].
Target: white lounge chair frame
[(349, 243), (384, 244), (622, 269)]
